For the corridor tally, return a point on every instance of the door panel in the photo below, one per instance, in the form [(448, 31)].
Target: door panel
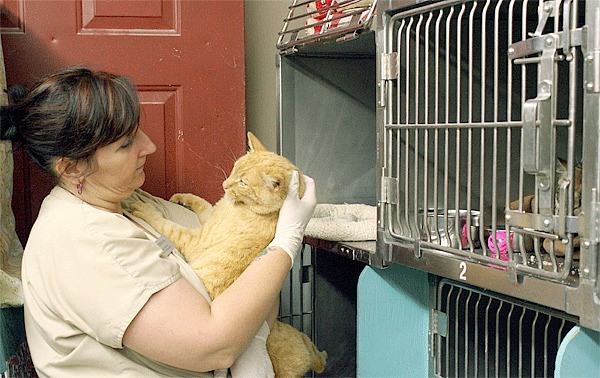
[(185, 56)]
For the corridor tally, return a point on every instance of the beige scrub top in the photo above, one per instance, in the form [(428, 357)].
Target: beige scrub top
[(86, 274)]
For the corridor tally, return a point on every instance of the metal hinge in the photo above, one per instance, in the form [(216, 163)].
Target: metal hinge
[(389, 66), (438, 323), (594, 229), (389, 190)]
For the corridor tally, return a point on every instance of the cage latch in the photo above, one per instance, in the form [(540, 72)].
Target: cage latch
[(546, 11), (538, 132), (562, 208)]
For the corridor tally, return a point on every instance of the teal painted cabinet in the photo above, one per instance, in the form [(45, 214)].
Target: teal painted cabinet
[(392, 323)]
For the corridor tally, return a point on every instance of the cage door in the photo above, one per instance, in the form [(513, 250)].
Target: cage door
[(482, 133)]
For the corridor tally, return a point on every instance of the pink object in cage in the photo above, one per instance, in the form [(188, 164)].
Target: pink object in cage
[(501, 242)]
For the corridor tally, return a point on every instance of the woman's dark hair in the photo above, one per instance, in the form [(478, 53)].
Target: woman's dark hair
[(70, 114)]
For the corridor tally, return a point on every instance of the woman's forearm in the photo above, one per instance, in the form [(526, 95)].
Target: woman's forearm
[(249, 301)]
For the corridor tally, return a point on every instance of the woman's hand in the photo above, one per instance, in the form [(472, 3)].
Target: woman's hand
[(294, 216)]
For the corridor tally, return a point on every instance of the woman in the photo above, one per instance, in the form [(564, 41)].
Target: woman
[(101, 297)]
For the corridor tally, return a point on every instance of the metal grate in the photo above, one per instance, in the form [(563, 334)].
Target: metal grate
[(297, 294), (482, 100), (319, 21), (479, 335)]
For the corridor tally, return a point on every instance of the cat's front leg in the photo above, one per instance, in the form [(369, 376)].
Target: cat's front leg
[(198, 205), (148, 213), (182, 236)]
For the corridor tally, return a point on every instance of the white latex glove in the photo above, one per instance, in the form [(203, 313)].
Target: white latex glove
[(294, 216)]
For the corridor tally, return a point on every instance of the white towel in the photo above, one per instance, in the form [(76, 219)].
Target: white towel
[(343, 222), (254, 362)]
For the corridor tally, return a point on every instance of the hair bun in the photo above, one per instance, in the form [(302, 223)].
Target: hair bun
[(8, 127), (17, 92)]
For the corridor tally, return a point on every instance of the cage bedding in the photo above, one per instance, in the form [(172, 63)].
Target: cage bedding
[(343, 222)]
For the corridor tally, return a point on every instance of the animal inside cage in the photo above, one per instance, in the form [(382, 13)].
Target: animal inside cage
[(488, 146)]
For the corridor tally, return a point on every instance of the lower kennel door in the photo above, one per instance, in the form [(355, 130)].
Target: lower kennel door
[(482, 135), (479, 334)]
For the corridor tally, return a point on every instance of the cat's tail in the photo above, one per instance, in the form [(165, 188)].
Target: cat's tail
[(318, 358)]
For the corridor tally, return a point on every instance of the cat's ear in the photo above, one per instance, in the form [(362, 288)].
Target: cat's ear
[(561, 166), (254, 145)]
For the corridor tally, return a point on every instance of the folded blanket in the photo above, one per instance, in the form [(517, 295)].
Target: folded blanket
[(345, 222)]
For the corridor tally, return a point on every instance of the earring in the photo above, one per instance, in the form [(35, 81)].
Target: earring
[(80, 187)]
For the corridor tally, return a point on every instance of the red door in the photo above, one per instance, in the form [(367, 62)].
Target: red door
[(186, 57)]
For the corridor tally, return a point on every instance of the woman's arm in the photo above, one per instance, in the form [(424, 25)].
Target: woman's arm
[(177, 326)]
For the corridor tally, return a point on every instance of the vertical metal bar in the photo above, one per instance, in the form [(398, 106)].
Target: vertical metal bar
[(520, 374), (546, 346), (533, 326), (417, 78), (406, 133), (456, 333), (470, 131), (458, 120), (476, 341), (559, 334), (497, 332), (466, 338), (436, 121), (509, 75), (482, 131), (447, 120), (426, 100), (449, 332), (508, 338), (300, 292), (487, 337)]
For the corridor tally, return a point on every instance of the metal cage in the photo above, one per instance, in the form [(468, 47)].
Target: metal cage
[(488, 146), (313, 22)]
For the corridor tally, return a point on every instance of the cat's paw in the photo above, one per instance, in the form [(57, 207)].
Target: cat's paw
[(189, 200), (144, 211), (197, 204), (183, 199)]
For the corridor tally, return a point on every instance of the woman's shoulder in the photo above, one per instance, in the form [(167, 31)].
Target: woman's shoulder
[(77, 233), (63, 218)]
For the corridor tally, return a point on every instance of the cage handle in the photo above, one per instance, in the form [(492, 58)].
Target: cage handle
[(538, 127)]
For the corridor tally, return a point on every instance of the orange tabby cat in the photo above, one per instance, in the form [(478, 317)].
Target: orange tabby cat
[(241, 225)]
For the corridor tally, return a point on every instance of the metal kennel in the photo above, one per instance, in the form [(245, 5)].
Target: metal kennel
[(488, 136), (474, 128)]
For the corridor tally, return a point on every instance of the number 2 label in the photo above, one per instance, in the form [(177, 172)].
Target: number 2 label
[(463, 270)]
